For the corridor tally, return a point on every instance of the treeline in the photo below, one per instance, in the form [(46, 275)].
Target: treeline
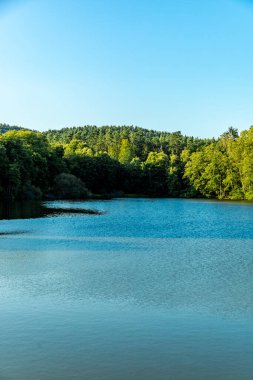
[(6, 128), (113, 161)]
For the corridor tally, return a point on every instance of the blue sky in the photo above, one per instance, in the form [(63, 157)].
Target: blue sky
[(160, 64)]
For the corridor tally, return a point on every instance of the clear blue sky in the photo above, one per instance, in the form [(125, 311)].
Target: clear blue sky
[(160, 64)]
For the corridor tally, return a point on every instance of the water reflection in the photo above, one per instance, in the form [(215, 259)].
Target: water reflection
[(10, 233), (33, 209)]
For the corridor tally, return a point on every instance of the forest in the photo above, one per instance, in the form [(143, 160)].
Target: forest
[(115, 161)]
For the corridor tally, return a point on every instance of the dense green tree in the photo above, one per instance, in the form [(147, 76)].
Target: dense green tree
[(125, 151), (68, 186), (242, 153), (156, 167), (224, 169)]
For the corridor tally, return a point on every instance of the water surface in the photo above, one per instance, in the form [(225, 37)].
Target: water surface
[(149, 289)]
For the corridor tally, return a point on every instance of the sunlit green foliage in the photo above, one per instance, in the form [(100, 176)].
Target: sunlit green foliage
[(224, 169)]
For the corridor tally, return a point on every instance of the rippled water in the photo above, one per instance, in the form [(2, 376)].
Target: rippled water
[(151, 289)]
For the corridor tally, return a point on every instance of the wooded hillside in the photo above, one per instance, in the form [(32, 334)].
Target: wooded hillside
[(116, 160)]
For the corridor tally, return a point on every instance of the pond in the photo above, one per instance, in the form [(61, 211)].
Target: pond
[(130, 289)]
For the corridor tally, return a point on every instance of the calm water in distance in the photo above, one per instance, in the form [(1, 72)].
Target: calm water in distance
[(152, 289)]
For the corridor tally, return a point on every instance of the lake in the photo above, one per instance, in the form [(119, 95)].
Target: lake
[(151, 289)]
